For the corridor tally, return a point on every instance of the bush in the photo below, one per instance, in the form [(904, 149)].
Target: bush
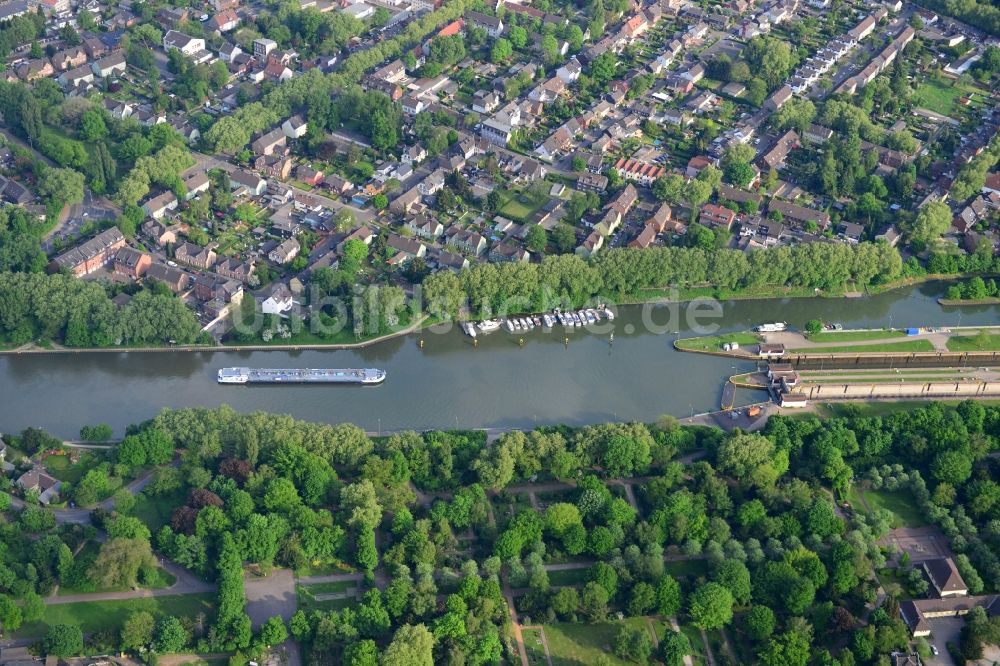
[(63, 640)]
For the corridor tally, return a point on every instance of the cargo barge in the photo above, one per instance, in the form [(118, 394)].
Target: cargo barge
[(368, 376)]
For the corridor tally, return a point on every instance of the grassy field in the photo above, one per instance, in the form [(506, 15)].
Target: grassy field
[(533, 646), (905, 346), (522, 204), (698, 655), (894, 583), (575, 644), (568, 577), (308, 603), (900, 504), (684, 568), (155, 511), (331, 588), (938, 97), (854, 336), (715, 342), (110, 615), (61, 468), (988, 342)]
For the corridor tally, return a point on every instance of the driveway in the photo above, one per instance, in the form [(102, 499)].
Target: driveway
[(944, 630), (270, 596)]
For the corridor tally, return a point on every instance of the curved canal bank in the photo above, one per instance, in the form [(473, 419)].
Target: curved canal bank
[(449, 382)]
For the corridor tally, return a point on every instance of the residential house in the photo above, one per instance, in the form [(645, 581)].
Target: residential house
[(425, 227), (14, 192), (738, 196), (778, 98), (70, 58), (406, 249), (253, 184), (590, 245), (81, 76), (793, 213), (624, 200), (775, 157), (268, 144), (295, 127), (818, 135), (131, 263), (570, 71), (235, 269), (643, 173), (414, 154), (156, 207), (696, 164), (228, 52), (433, 183), (38, 481), (713, 215), (449, 260), (32, 70), (337, 184), (592, 182), (402, 204), (195, 255), (493, 26), (186, 44), (944, 576), (507, 251), (285, 252), (466, 241), (308, 175), (175, 279), (558, 141), (224, 21), (109, 65), (93, 254), (278, 302), (485, 101), (412, 105)]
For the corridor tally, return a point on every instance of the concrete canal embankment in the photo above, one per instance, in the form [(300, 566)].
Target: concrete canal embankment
[(818, 361), (900, 391)]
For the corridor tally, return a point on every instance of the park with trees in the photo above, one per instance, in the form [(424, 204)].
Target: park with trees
[(768, 547)]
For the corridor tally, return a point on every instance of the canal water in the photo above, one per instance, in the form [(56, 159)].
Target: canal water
[(448, 382)]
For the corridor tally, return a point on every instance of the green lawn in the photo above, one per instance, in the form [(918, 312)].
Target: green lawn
[(715, 342), (938, 97), (890, 580), (110, 615), (978, 342), (519, 205), (60, 466), (533, 646), (330, 588), (568, 577), (905, 346), (575, 644), (853, 336), (902, 506), (323, 569), (685, 568), (697, 645), (308, 603), (155, 511)]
